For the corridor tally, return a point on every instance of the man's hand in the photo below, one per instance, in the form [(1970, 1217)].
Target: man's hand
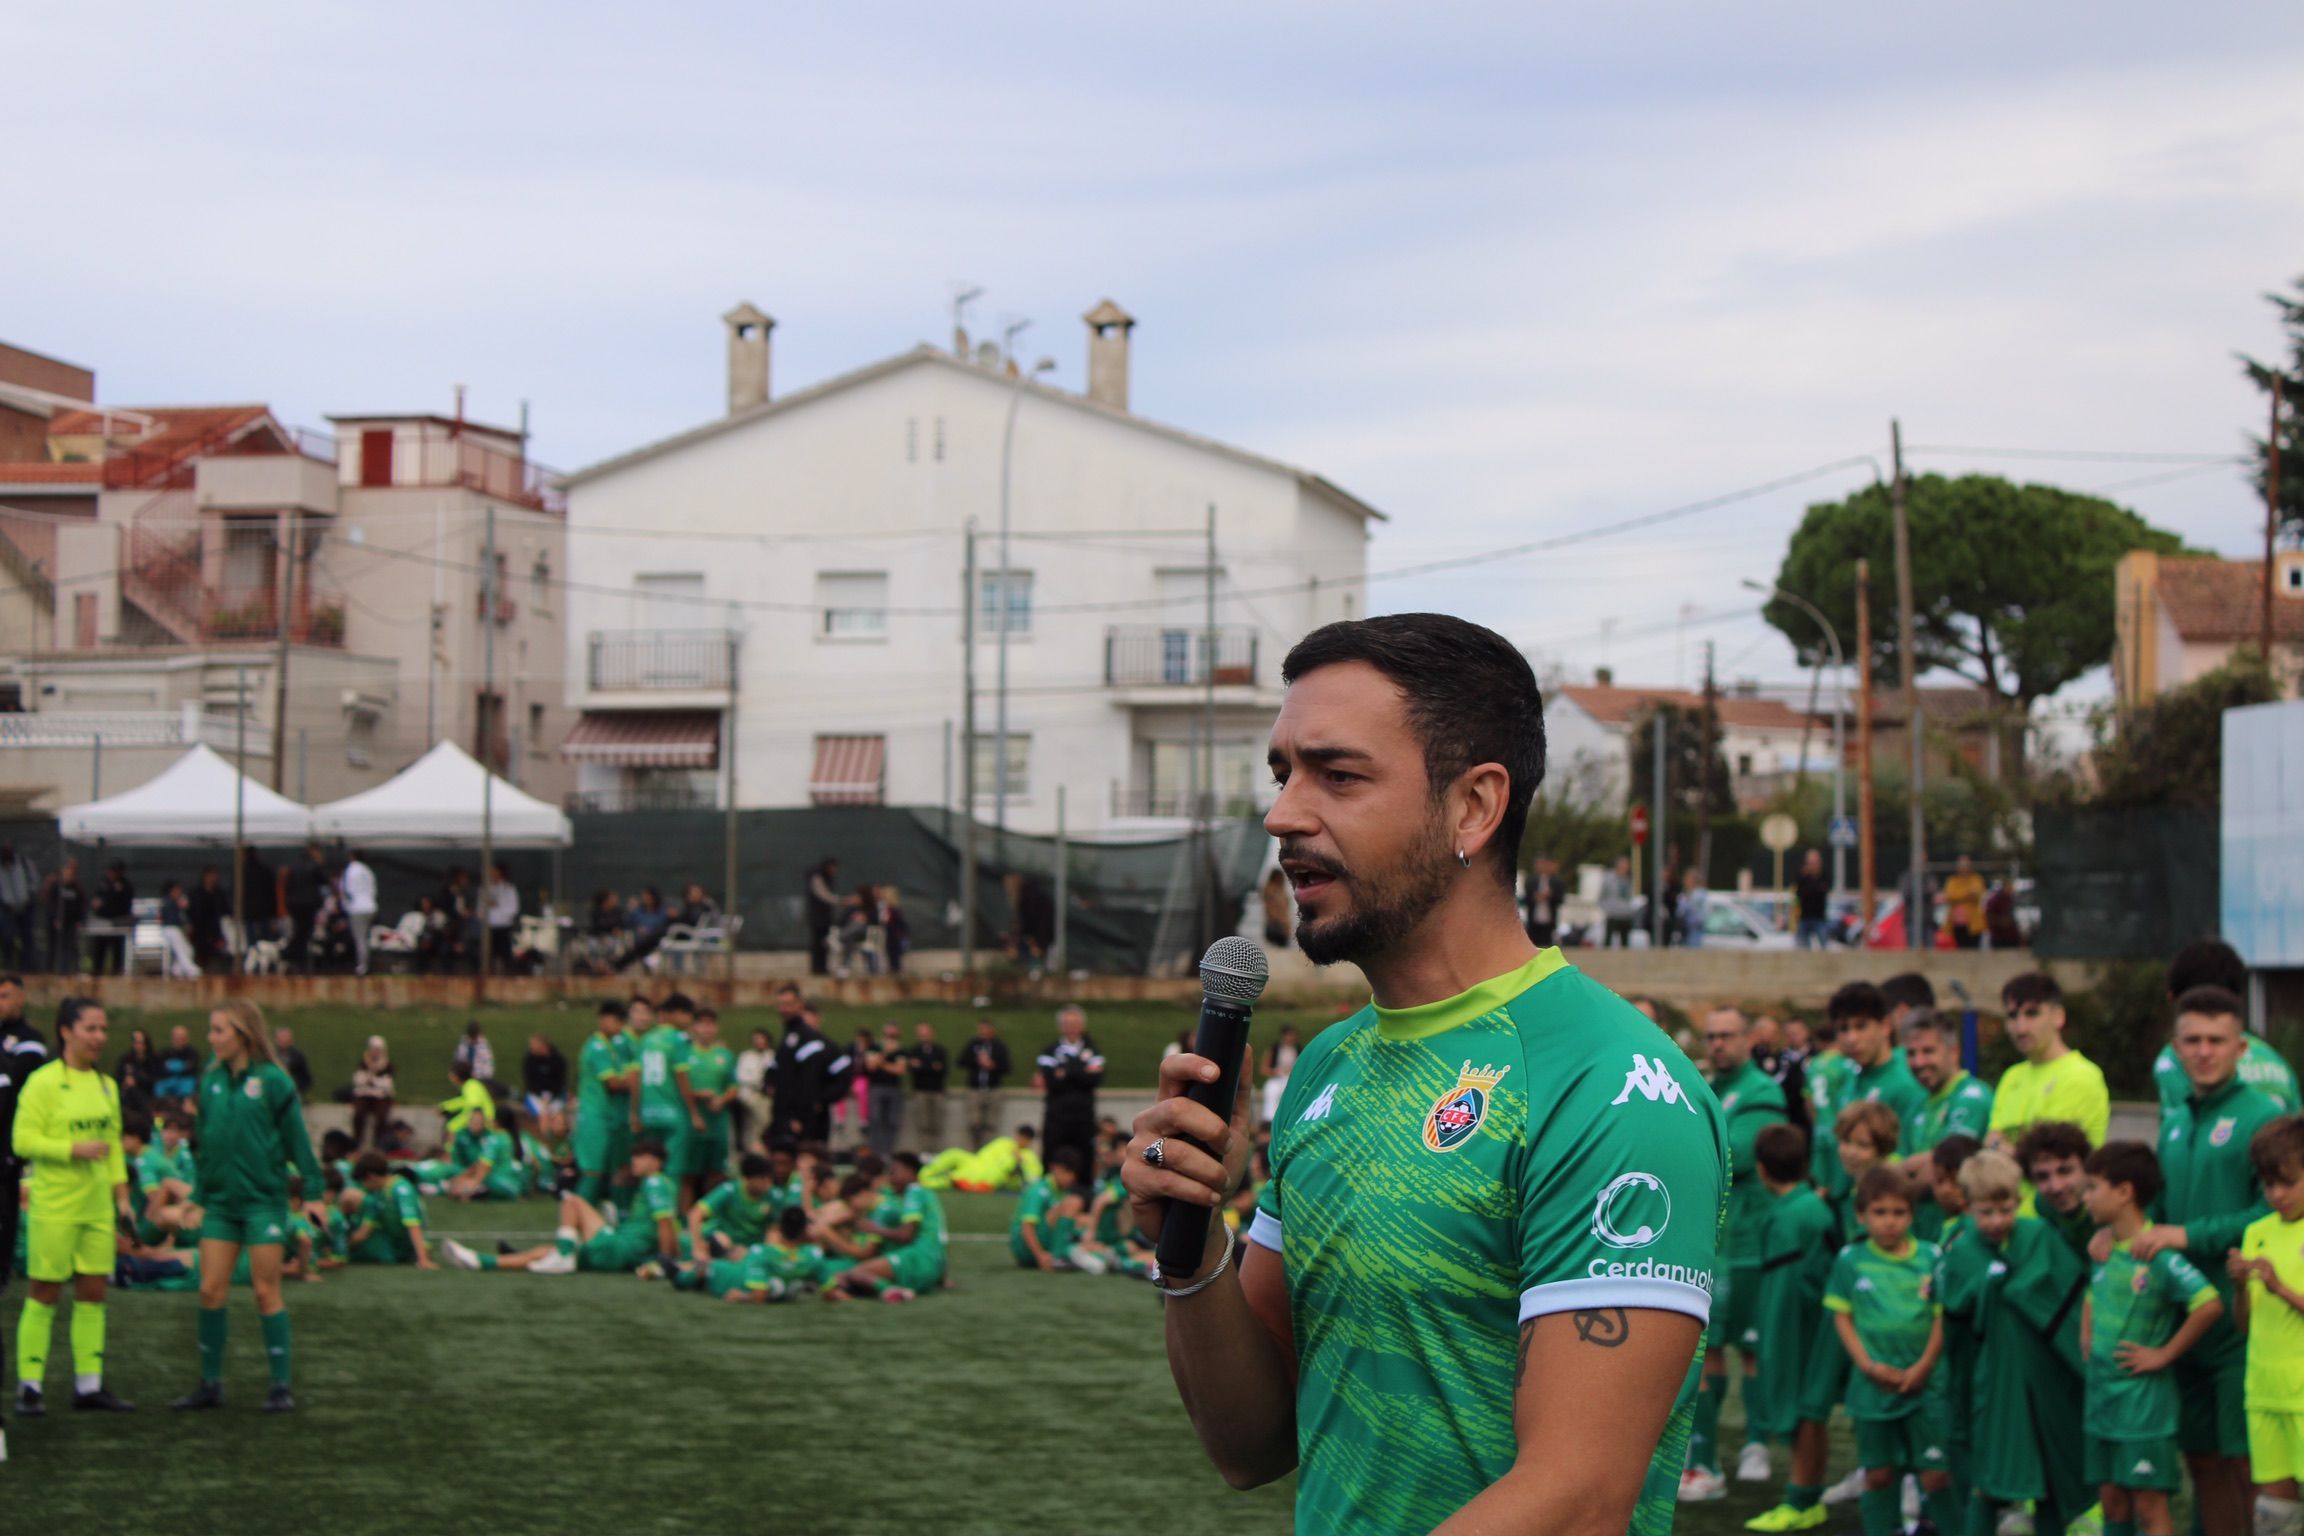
[(1884, 1375), (2154, 1239), (90, 1151), (2245, 1269), (696, 1119), (1195, 1177), (424, 1261), (2138, 1360), (1047, 1260)]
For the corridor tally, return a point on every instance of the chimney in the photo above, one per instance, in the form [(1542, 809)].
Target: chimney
[(1108, 328), (1604, 677), (748, 332)]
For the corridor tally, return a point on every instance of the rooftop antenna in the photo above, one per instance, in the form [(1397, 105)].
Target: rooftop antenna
[(1008, 335), (964, 293)]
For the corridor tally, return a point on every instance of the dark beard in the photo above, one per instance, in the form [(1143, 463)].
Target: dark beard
[(1385, 909)]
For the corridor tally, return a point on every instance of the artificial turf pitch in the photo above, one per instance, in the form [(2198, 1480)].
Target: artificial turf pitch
[(456, 1402)]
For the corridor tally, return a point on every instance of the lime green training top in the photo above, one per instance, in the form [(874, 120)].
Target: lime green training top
[(251, 1129), (59, 1107)]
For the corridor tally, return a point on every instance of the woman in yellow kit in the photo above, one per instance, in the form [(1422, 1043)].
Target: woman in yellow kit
[(68, 1131)]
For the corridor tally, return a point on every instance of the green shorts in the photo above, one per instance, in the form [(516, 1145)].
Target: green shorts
[(2211, 1382), (1825, 1384), (678, 1137), (376, 1248), (918, 1267), (1919, 1441), (833, 1267), (616, 1252), (2275, 1446), (1735, 1309), (708, 1148), (722, 1276), (253, 1223), (2155, 1464), (56, 1251), (603, 1146)]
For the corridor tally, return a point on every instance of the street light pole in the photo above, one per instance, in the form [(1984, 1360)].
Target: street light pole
[(1007, 579), (1839, 719)]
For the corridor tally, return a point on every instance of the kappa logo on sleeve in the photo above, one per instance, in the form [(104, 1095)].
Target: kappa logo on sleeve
[(1653, 1082), (1319, 1107)]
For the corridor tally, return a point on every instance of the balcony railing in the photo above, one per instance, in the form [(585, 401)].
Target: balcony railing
[(1157, 655), (123, 728), (660, 660)]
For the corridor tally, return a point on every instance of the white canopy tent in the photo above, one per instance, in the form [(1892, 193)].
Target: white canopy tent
[(191, 803), (436, 801)]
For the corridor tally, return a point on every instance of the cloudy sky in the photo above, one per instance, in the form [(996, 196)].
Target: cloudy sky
[(1505, 271)]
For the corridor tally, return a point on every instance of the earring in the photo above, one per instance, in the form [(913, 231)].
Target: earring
[(1461, 859)]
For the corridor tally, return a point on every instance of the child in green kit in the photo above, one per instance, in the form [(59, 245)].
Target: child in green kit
[(1799, 1243), (2268, 1309), (1941, 1168), (1882, 1295), (2140, 1317)]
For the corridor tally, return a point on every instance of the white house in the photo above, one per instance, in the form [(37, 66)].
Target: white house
[(1589, 738), (791, 577)]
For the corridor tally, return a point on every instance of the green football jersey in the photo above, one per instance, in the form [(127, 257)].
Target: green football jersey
[(1892, 1299), (653, 1200), (1960, 1265), (789, 1267), (601, 1060), (919, 1203), (507, 1178), (1108, 1224), (1444, 1175), (664, 1059), (1032, 1209), (711, 1069), (393, 1210), (1831, 1077), (2212, 1190), (2131, 1300), (2262, 1068), (1892, 1083), (1752, 1101), (730, 1210), (156, 1164), (784, 1196), (1962, 1107)]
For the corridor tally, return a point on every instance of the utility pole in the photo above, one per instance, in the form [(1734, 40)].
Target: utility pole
[(1659, 791), (1867, 871), (286, 587), (2271, 519), (1908, 647), (728, 907), (968, 751), (1058, 961), (1704, 773), (240, 815), (1205, 821), (490, 722)]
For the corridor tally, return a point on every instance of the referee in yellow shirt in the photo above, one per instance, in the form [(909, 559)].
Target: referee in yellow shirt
[(2053, 1081), (68, 1131)]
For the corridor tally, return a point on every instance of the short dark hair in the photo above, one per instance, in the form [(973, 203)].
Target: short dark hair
[(1782, 1152), (1952, 1154), (177, 1120), (1908, 989), (1929, 1021), (68, 1012), (648, 1146), (11, 979), (2276, 1151), (2131, 1163), (2052, 1138), (753, 1166), (908, 1160), (2213, 1003), (855, 1184), (136, 1124), (707, 1013), (370, 1165), (2029, 988), (1471, 697), (676, 1002), (2206, 963), (792, 1223), (1068, 1160), (1024, 1133), (869, 1163), (612, 1009), (1856, 1000), (1882, 1183)]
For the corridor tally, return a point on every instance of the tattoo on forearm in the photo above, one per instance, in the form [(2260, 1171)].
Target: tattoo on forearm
[(1520, 1368), (1607, 1327)]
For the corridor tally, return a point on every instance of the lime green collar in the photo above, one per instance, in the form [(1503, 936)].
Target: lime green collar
[(1428, 1019)]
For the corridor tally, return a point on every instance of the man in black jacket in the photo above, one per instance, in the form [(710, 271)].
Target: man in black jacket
[(801, 1108), (931, 1066), (304, 888), (115, 905), (985, 1060), (1069, 1072), (205, 912), (23, 1051)]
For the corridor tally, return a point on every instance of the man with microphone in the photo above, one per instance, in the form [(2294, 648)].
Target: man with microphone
[(1483, 1264)]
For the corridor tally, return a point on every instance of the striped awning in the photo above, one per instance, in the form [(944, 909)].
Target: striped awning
[(646, 738), (847, 770)]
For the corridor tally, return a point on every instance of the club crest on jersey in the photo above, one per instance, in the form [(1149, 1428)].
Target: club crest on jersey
[(2140, 1281), (2223, 1132), (254, 1090), (1456, 1114)]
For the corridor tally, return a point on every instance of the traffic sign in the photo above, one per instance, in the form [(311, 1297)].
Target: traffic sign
[(1639, 820), (1779, 832), (1843, 833)]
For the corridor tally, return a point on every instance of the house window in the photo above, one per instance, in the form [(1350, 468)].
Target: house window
[(851, 605), (669, 600), (1004, 599), (939, 439), (911, 439), (1019, 775), (1744, 765), (536, 747), (359, 737), (540, 583)]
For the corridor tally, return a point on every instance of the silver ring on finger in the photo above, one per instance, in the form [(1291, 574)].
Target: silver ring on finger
[(1157, 1153)]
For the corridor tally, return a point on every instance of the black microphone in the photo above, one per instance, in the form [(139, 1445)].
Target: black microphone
[(1232, 977)]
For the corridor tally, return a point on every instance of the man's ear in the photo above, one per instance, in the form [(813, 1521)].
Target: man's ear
[(1481, 794)]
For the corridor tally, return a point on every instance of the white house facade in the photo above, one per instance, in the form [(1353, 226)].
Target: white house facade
[(789, 581), (1589, 733)]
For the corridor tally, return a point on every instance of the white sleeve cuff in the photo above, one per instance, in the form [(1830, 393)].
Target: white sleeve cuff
[(1264, 1231), (1642, 1293)]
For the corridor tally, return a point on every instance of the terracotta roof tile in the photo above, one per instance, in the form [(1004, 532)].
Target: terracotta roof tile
[(1612, 705), (2224, 600)]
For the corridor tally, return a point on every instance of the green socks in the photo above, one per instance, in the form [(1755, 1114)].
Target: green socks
[(1983, 1517), (88, 1345), (1755, 1404), (1704, 1432), (277, 1352), (1883, 1511), (214, 1324), (1800, 1496), (1941, 1507), (32, 1330)]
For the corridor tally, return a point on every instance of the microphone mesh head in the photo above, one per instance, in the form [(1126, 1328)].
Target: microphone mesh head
[(1235, 970)]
